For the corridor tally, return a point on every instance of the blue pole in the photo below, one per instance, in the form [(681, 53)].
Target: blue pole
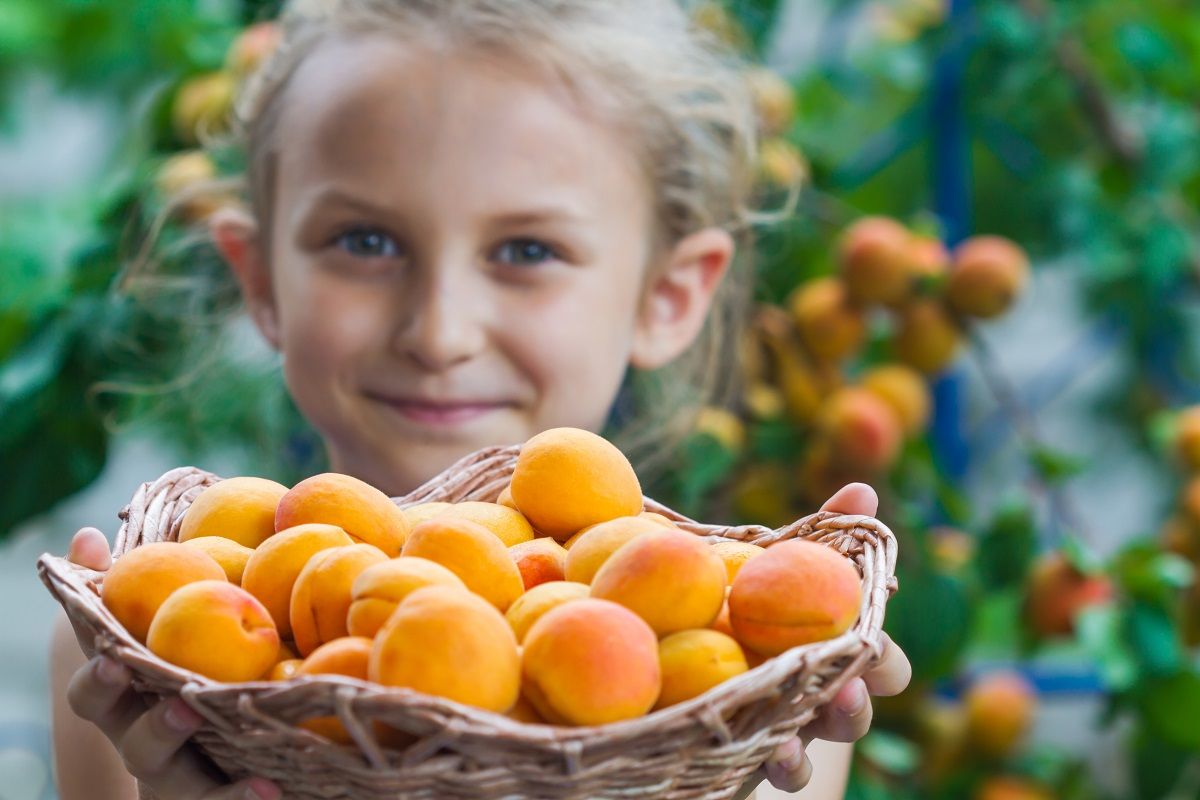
[(951, 168)]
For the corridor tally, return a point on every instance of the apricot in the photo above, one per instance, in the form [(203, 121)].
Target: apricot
[(507, 523), (524, 711), (285, 670), (423, 511), (186, 181), (1189, 499), (590, 662), (202, 106), (272, 570), (694, 661), (988, 274), (138, 583), (539, 560), (347, 656), (862, 430), (597, 544), (721, 624), (449, 643), (773, 100), (321, 597), (795, 593), (1187, 438), (358, 508), (216, 629), (905, 392), (229, 554), (874, 258), (1057, 592), (655, 517), (1005, 787), (781, 164), (1181, 536), (928, 258), (734, 554), (381, 587), (925, 337), (830, 327), (252, 47), (999, 710), (240, 509), (471, 552), (671, 579), (566, 479), (530, 606), (506, 498), (722, 426)]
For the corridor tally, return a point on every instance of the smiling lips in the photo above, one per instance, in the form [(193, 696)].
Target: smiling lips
[(440, 412)]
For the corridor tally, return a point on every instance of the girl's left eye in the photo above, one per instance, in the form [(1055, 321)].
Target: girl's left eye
[(368, 243), (524, 252)]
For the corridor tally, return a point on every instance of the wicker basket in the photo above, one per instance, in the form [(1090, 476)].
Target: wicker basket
[(703, 748)]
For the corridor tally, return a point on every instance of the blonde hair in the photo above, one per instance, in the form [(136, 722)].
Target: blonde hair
[(680, 93)]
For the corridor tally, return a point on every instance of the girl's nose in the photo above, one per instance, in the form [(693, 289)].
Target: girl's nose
[(441, 329)]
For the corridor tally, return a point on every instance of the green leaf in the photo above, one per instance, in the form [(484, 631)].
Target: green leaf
[(1172, 707), (889, 752), (930, 618), (1081, 556), (1055, 466), (1099, 629), (1007, 547), (1154, 640), (1156, 765), (1147, 573)]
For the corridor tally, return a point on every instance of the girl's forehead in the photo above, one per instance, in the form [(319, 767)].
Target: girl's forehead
[(376, 109)]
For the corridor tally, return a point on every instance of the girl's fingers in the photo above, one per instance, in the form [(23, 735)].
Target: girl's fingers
[(99, 692), (252, 789), (853, 498), (89, 549), (893, 672), (789, 769), (151, 749), (847, 717)]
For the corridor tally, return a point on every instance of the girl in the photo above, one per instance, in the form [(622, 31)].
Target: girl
[(470, 221)]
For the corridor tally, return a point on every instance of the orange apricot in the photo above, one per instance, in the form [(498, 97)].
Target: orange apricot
[(362, 511), (241, 509), (141, 580), (874, 255), (321, 597), (380, 588), (507, 523), (596, 545), (449, 643), (734, 554), (530, 606), (272, 570), (347, 656), (1000, 709), (423, 511), (539, 561), (694, 661), (795, 593), (216, 629), (471, 552), (671, 579), (988, 274), (229, 554)]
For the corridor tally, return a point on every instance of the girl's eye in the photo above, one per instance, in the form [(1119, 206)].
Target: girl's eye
[(524, 252), (368, 243)]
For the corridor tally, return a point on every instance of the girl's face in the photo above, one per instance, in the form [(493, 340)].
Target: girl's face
[(459, 255)]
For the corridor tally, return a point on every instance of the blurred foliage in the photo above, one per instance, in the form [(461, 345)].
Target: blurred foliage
[(1080, 139)]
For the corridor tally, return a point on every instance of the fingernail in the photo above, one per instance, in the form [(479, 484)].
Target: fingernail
[(110, 672), (857, 702), (793, 761), (180, 717), (262, 789)]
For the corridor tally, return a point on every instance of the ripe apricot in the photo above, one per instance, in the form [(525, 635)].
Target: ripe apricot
[(507, 523), (874, 255), (862, 430), (654, 516), (347, 656), (423, 511), (381, 587), (988, 274), (272, 570), (1187, 438), (141, 580), (252, 47), (506, 499), (216, 629), (566, 479), (1006, 787), (590, 662), (1057, 592), (530, 606), (773, 100), (539, 561), (358, 508), (284, 670), (671, 579), (321, 597), (734, 554), (694, 661), (449, 643), (241, 509), (925, 337), (905, 391), (229, 554), (1000, 710), (794, 593), (830, 327), (597, 544), (202, 106), (471, 552)]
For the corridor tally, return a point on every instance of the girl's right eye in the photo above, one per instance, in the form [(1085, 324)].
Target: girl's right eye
[(368, 243)]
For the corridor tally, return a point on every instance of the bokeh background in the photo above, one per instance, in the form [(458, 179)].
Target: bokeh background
[(1021, 403)]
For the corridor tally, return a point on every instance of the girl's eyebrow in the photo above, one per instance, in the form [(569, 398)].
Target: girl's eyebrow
[(529, 216)]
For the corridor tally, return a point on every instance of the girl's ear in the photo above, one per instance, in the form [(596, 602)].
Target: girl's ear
[(677, 299), (236, 236)]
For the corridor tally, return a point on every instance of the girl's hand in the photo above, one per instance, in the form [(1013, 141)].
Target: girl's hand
[(848, 717), (150, 740)]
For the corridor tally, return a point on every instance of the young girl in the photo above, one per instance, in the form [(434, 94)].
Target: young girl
[(472, 220)]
